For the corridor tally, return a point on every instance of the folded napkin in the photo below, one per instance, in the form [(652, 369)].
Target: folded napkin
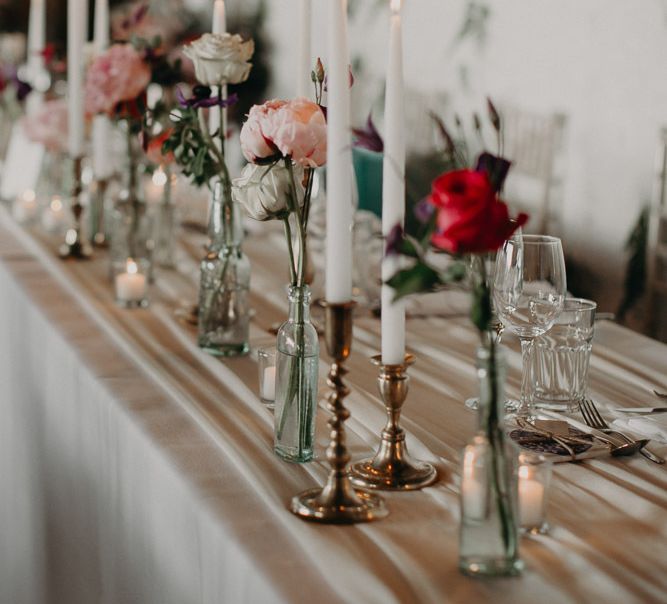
[(653, 427)]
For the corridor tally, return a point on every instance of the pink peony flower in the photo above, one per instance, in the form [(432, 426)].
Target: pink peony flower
[(117, 75), (295, 129), (48, 125)]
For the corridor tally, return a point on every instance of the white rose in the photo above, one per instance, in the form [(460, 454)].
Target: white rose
[(263, 191), (220, 58)]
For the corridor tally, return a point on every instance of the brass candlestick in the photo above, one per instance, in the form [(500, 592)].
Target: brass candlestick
[(338, 502), (392, 469), (75, 247), (99, 238)]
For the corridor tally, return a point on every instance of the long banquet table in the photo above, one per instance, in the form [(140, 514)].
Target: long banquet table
[(137, 469)]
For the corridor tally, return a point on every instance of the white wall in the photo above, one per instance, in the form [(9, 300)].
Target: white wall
[(602, 62)]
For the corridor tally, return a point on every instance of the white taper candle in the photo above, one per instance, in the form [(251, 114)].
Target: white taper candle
[(339, 160), (393, 190), (304, 60), (77, 26), (218, 26), (102, 165), (36, 44)]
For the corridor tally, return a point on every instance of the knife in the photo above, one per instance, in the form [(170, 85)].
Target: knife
[(642, 410)]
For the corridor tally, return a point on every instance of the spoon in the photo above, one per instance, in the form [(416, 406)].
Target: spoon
[(629, 448)]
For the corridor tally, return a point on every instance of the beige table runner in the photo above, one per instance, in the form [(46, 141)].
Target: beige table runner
[(141, 469)]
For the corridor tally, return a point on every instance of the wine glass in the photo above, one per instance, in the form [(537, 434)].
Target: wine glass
[(529, 288)]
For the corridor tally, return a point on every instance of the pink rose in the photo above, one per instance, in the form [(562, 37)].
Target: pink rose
[(48, 125), (117, 75), (295, 129)]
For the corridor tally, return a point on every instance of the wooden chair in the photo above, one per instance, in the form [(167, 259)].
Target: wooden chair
[(656, 249), (534, 143)]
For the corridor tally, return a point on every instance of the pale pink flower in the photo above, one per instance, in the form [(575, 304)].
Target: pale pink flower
[(295, 129), (48, 125), (256, 133), (119, 74)]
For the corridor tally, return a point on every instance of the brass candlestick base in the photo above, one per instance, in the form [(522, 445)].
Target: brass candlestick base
[(392, 469), (338, 502), (75, 247)]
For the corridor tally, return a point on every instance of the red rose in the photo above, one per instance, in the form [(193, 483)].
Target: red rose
[(470, 218)]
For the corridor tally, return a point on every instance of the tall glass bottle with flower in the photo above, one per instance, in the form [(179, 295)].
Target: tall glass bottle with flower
[(116, 84), (467, 219), (285, 141), (219, 60)]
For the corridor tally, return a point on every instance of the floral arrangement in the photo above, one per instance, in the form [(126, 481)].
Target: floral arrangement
[(219, 60), (48, 125), (465, 217)]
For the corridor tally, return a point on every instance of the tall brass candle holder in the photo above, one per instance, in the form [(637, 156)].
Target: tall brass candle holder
[(338, 502), (99, 236), (75, 247), (392, 468)]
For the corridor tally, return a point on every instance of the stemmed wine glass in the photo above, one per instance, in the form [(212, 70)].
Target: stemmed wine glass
[(529, 289)]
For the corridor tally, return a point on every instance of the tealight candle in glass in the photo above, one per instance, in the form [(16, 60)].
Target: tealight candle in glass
[(267, 376), (534, 479), (131, 284)]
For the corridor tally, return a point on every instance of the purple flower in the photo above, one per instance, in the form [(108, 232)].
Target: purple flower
[(368, 137), (202, 99), (423, 210), (394, 240)]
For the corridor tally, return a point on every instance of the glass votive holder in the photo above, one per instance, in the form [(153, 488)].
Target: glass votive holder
[(131, 283), (534, 480), (267, 375)]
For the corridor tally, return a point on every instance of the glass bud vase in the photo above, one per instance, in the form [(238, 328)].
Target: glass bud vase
[(161, 183), (297, 361), (224, 313), (489, 531)]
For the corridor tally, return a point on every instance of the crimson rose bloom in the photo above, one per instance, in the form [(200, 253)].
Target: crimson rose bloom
[(470, 218)]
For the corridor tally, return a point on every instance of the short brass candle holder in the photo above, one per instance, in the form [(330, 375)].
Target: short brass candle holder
[(392, 469), (338, 502), (75, 247)]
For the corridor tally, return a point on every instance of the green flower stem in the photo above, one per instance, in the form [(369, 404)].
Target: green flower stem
[(134, 200), (493, 429), (297, 367)]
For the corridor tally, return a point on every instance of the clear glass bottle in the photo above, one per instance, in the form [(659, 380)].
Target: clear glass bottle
[(489, 531), (297, 371), (164, 209), (131, 223), (224, 313)]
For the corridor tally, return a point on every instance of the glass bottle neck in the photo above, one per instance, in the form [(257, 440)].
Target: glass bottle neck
[(224, 227), (491, 370), (299, 304)]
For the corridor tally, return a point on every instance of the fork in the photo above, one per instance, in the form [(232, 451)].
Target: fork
[(593, 419)]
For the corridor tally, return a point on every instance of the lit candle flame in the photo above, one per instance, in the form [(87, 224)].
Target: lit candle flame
[(131, 267), (28, 195), (396, 6), (56, 204)]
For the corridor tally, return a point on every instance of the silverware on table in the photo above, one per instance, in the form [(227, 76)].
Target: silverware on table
[(641, 410), (593, 419)]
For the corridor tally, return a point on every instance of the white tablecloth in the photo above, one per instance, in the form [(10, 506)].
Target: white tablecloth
[(137, 469)]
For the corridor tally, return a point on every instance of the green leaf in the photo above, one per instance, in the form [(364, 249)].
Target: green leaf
[(417, 279)]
